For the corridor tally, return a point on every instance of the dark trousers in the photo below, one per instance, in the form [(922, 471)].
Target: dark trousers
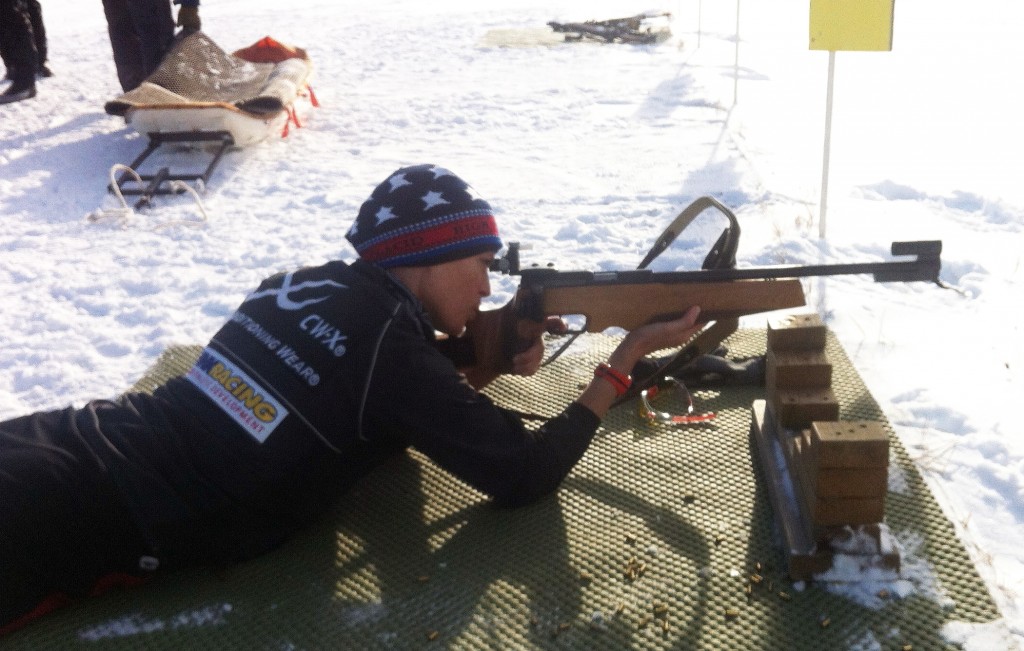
[(63, 529), (141, 31), (16, 42), (35, 16)]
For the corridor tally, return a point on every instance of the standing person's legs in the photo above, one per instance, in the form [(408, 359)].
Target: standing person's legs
[(19, 50), (124, 42), (9, 74), (35, 16), (154, 24)]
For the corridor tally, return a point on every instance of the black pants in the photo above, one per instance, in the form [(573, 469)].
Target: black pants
[(35, 16), (62, 526), (141, 31), (16, 41)]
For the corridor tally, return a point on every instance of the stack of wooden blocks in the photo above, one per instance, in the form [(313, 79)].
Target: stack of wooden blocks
[(838, 469)]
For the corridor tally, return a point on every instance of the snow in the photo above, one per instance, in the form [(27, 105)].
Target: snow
[(586, 152)]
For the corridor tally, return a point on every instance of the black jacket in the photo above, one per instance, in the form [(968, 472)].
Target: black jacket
[(320, 375)]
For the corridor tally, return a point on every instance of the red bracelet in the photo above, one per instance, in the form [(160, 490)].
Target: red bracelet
[(619, 380)]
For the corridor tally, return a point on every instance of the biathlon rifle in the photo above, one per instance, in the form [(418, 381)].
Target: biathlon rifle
[(631, 298)]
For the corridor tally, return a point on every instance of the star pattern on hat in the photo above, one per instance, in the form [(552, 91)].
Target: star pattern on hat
[(438, 172), (384, 214), (432, 198), (398, 180)]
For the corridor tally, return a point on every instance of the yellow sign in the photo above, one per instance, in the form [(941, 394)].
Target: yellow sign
[(851, 25)]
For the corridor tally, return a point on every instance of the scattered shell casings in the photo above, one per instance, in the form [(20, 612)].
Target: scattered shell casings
[(432, 635), (749, 589), (564, 626), (644, 621), (585, 576), (665, 626), (619, 607), (824, 621), (756, 578), (785, 596), (634, 569), (423, 578), (630, 538), (732, 613), (907, 647), (660, 608)]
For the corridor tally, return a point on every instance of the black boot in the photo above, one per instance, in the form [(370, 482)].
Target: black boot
[(18, 91)]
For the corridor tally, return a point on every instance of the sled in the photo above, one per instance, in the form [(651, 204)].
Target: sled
[(637, 29), (201, 95), (649, 28)]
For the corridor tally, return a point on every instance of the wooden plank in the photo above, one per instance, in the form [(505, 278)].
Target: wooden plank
[(780, 485)]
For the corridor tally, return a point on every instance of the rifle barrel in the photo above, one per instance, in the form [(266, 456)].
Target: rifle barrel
[(925, 267)]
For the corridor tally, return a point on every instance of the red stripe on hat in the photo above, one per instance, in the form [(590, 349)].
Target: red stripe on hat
[(409, 243)]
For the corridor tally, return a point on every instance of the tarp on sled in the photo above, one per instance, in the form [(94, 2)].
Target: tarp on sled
[(199, 87)]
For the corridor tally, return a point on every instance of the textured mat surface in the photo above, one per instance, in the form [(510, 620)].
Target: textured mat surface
[(650, 544)]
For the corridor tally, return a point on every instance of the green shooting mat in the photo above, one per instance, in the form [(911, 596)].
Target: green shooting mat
[(651, 543)]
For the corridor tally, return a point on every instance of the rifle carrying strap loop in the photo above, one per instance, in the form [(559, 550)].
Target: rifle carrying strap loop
[(653, 416)]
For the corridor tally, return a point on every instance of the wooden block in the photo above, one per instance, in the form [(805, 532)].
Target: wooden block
[(837, 511), (849, 510), (797, 369), (849, 444), (846, 482), (796, 332), (798, 408)]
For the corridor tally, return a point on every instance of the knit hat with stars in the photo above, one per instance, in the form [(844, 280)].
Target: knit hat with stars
[(423, 215)]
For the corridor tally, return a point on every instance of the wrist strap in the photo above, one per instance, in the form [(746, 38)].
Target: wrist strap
[(619, 380)]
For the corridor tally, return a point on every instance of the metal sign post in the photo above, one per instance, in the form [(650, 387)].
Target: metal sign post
[(861, 25)]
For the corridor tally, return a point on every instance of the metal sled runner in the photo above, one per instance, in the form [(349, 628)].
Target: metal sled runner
[(149, 185)]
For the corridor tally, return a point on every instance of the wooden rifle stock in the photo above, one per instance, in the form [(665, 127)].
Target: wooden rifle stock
[(626, 305), (629, 305)]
